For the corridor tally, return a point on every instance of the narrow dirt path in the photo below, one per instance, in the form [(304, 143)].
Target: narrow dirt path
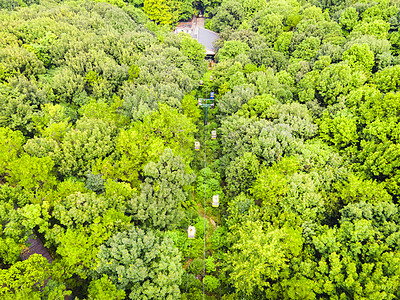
[(200, 210), (36, 247)]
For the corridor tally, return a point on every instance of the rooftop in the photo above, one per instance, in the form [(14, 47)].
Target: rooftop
[(207, 37), (195, 27)]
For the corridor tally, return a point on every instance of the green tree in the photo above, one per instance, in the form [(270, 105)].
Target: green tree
[(21, 60), (211, 283), (377, 115), (159, 204), (10, 147), (388, 80), (232, 49), (134, 150), (264, 56), (231, 102), (358, 256), (241, 173), (339, 131), (258, 256), (144, 264), (186, 9), (192, 49), (283, 42), (354, 189), (65, 85), (297, 116), (270, 26), (348, 19), (230, 14), (267, 141), (133, 72), (190, 107), (176, 131), (103, 288), (28, 279), (209, 182), (33, 173), (161, 11), (90, 140), (360, 57), (307, 49), (16, 111), (52, 122), (81, 223), (271, 184), (108, 112)]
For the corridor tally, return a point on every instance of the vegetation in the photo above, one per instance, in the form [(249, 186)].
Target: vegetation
[(98, 120)]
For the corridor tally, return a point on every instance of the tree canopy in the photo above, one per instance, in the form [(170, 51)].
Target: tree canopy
[(293, 191)]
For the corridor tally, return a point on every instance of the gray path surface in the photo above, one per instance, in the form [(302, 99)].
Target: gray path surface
[(36, 247)]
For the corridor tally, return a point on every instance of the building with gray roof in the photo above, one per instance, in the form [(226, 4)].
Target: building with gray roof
[(195, 27)]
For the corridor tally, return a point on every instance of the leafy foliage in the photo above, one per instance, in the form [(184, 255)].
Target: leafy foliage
[(145, 265), (162, 193), (98, 118), (27, 278)]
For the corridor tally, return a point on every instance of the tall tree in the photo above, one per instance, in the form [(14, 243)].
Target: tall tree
[(159, 203), (163, 12), (144, 264)]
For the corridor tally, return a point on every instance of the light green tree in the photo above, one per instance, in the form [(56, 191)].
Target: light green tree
[(161, 11), (16, 226), (103, 288), (81, 223), (33, 174), (339, 131), (29, 279), (258, 107), (271, 183), (258, 256), (192, 49), (144, 264), (146, 141), (360, 57), (10, 147), (377, 28), (338, 80)]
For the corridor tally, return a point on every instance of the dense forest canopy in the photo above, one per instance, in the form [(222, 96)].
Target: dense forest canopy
[(99, 116)]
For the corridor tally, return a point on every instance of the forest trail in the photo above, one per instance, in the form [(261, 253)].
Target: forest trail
[(36, 246), (200, 210)]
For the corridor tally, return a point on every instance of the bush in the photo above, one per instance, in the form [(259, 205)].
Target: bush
[(210, 283)]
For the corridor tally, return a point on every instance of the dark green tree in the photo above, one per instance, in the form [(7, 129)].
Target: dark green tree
[(159, 203)]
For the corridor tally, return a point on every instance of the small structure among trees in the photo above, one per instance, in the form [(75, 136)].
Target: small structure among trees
[(195, 27)]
